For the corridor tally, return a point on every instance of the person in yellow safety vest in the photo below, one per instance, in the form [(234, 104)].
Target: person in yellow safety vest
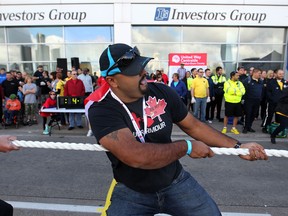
[(233, 92)]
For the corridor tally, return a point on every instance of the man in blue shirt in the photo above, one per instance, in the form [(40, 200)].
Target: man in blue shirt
[(2, 75), (252, 98), (181, 71)]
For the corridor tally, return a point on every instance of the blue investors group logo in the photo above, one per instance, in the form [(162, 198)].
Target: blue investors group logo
[(162, 14)]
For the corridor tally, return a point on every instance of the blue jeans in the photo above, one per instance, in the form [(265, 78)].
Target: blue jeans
[(200, 104), (9, 115), (183, 197), (72, 119)]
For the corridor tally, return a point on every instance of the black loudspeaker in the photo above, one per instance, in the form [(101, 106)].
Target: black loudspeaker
[(75, 62), (62, 63)]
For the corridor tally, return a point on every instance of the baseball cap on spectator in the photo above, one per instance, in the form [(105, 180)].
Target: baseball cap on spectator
[(12, 96), (123, 59)]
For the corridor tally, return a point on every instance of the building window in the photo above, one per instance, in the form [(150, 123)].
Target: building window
[(88, 34), (228, 47), (262, 48), (34, 35), (156, 34), (28, 47)]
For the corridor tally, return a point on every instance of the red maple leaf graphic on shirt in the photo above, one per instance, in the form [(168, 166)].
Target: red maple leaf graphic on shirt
[(155, 108), (138, 120)]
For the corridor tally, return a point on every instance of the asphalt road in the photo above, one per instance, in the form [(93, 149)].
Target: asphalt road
[(82, 178)]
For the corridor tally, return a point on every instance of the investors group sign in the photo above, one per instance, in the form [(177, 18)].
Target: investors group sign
[(56, 15), (231, 15)]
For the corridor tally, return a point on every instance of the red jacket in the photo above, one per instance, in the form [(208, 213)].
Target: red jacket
[(74, 88), (165, 78), (49, 103)]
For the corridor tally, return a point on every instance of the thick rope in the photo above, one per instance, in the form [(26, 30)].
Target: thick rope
[(96, 147)]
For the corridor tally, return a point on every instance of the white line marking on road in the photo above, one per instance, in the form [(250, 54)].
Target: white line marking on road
[(56, 207), (91, 209), (243, 214)]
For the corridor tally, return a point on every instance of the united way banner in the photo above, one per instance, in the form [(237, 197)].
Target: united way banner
[(190, 60)]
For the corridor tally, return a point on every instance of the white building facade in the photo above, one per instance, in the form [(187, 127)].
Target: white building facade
[(239, 33)]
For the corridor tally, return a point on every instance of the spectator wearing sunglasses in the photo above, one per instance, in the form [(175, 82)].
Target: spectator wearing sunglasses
[(74, 87), (200, 95), (133, 120)]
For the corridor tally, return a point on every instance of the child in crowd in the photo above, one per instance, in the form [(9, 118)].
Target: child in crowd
[(30, 101), (49, 103), (13, 105), (159, 78)]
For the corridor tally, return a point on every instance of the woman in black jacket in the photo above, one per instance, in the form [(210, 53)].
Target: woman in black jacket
[(282, 115)]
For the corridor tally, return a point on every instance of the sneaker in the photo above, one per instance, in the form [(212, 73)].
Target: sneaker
[(251, 130), (209, 121), (90, 133), (273, 141), (224, 130), (70, 128), (80, 126), (235, 131), (45, 132)]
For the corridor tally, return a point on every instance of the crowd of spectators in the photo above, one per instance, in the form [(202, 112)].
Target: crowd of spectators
[(24, 94), (246, 94)]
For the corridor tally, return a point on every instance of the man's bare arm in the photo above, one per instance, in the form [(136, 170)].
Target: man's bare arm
[(126, 148), (201, 131), (210, 136)]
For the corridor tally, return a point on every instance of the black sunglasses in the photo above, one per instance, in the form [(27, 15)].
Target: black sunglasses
[(125, 59)]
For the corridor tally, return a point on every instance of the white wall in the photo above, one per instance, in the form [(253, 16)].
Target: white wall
[(229, 2)]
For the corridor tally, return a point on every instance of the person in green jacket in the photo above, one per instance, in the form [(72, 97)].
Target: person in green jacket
[(233, 92)]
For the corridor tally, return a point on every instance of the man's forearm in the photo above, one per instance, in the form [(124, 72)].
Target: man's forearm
[(123, 145), (155, 156), (202, 132)]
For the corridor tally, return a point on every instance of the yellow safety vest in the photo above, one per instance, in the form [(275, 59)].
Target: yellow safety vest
[(189, 83), (233, 91), (220, 79)]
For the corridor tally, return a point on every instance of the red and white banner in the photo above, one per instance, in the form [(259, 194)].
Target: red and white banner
[(190, 60)]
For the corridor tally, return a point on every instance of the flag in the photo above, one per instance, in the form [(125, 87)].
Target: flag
[(98, 95)]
